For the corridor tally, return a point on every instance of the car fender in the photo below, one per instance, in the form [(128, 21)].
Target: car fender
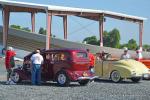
[(124, 71)]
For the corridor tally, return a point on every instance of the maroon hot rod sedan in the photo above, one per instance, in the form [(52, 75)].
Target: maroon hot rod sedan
[(60, 65)]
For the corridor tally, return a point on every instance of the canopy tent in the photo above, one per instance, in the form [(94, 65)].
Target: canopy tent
[(51, 10)]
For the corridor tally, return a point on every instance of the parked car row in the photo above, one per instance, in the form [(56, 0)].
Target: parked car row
[(72, 65)]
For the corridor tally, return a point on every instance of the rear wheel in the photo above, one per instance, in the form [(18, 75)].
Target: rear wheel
[(115, 76), (136, 80), (83, 82), (62, 78), (15, 77)]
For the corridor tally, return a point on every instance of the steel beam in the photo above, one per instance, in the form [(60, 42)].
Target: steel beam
[(6, 15), (101, 28), (49, 25), (33, 21), (140, 34), (65, 27)]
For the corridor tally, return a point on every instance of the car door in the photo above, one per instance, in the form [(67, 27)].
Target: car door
[(106, 68), (47, 68), (98, 67)]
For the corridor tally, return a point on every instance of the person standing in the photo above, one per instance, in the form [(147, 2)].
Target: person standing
[(9, 62), (139, 55), (92, 58), (125, 55), (36, 60)]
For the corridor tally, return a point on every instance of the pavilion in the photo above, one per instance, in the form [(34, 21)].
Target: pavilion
[(50, 10)]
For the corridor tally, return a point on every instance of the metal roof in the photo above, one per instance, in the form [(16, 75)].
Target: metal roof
[(67, 10)]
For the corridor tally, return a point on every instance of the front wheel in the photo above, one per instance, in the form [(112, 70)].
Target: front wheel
[(136, 80), (83, 82), (15, 77), (115, 76), (62, 78)]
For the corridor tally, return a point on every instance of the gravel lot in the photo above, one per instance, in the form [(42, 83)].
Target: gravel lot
[(98, 90)]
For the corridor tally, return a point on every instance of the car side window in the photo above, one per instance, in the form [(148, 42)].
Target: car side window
[(60, 56), (49, 57)]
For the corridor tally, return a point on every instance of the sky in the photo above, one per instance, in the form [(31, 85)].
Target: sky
[(79, 28)]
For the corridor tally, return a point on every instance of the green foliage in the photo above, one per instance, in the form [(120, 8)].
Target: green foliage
[(110, 39), (42, 31), (20, 28), (15, 27), (114, 36), (132, 45), (146, 47), (91, 40), (26, 29), (106, 39), (123, 45)]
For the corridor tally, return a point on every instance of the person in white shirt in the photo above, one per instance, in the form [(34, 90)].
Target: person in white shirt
[(125, 55), (139, 55), (36, 60)]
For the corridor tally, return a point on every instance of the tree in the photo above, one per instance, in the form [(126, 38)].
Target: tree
[(91, 40), (42, 31), (114, 38), (20, 28), (26, 29), (146, 47), (106, 39), (132, 45), (15, 26), (110, 39)]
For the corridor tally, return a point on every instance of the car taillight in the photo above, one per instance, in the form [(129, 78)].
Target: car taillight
[(85, 74)]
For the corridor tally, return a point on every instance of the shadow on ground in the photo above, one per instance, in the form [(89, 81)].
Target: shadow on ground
[(109, 81), (52, 84)]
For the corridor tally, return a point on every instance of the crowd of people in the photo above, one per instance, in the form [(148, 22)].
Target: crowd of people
[(126, 55), (37, 60)]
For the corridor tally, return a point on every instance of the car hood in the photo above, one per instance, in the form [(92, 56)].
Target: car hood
[(133, 65)]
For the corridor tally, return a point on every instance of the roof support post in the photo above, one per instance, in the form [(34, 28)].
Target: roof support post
[(6, 15), (33, 21), (101, 28), (49, 24), (65, 26), (140, 34)]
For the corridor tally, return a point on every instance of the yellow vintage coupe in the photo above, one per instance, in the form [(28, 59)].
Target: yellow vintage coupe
[(117, 70)]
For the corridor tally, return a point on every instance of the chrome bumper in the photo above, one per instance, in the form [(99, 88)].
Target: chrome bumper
[(87, 78), (146, 76)]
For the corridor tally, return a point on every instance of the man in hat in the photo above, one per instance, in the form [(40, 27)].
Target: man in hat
[(125, 55), (37, 60)]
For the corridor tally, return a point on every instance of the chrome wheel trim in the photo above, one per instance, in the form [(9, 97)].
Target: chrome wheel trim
[(115, 76), (62, 78), (15, 77)]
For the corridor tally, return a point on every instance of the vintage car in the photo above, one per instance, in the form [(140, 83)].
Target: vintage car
[(116, 70), (60, 65)]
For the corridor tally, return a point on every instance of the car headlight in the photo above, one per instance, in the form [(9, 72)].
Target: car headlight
[(92, 70)]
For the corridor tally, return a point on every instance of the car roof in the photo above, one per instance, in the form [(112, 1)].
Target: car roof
[(65, 49), (58, 50)]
